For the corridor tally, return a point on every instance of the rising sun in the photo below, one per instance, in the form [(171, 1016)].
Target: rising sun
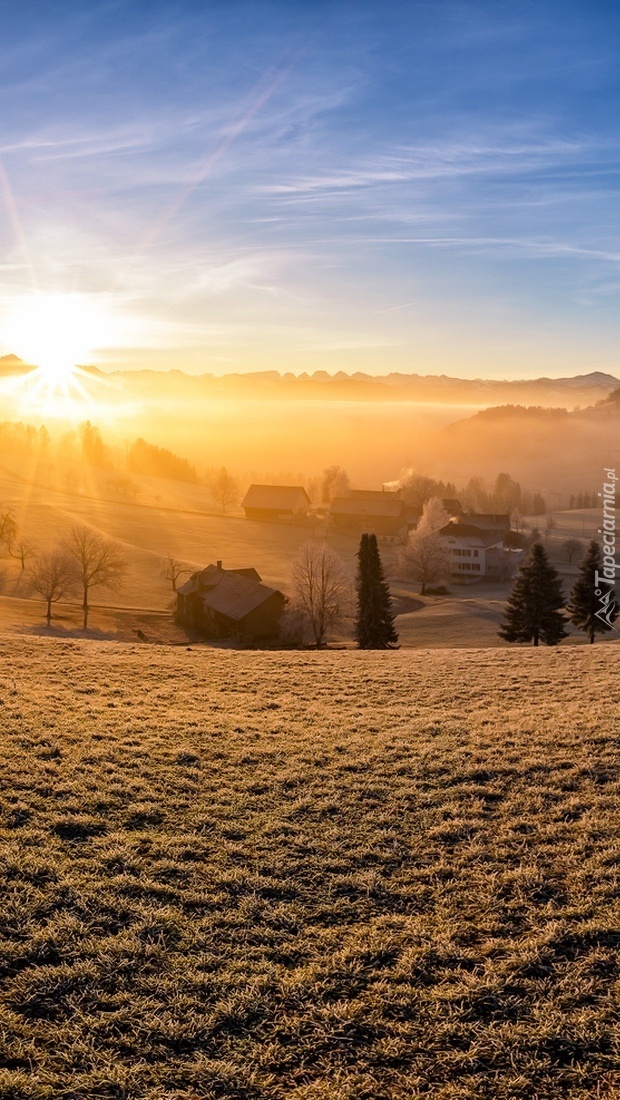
[(54, 333)]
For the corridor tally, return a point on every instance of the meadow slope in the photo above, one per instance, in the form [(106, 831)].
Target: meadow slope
[(311, 876)]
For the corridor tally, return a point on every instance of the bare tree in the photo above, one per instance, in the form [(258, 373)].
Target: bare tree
[(174, 569), (425, 558), (98, 562), (516, 518), (572, 547), (23, 550), (550, 526), (8, 528), (223, 488), (53, 577), (321, 589)]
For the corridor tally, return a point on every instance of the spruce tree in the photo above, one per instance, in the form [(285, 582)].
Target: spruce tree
[(374, 627), (534, 609), (592, 608)]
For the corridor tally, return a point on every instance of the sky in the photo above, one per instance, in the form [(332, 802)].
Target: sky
[(367, 186)]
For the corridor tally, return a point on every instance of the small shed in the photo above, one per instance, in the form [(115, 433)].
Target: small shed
[(276, 502)]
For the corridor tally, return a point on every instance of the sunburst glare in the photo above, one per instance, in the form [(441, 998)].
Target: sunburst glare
[(54, 332)]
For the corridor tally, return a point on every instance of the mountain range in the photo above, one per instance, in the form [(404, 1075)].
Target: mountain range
[(568, 392)]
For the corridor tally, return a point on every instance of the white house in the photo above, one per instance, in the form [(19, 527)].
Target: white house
[(476, 553)]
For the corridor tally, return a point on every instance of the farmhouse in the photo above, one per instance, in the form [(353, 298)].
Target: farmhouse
[(276, 502), (230, 603), (380, 512), (476, 553)]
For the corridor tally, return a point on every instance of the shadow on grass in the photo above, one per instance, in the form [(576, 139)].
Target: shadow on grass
[(56, 631), (402, 605)]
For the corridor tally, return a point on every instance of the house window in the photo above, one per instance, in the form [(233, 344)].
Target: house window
[(476, 553)]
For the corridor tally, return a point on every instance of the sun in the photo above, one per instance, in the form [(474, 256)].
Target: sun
[(54, 332)]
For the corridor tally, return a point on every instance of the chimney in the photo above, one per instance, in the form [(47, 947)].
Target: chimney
[(218, 565)]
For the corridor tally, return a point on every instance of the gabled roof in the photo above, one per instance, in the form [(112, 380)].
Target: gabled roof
[(473, 536), (488, 521), (275, 497), (209, 577), (231, 592), (368, 502), (235, 596)]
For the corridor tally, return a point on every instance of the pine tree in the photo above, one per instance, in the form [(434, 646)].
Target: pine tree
[(534, 609), (592, 608), (374, 627)]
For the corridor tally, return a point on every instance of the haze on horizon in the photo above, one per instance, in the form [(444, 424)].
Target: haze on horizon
[(426, 187)]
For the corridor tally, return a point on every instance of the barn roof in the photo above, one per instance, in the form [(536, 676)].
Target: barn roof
[(488, 521), (275, 497), (236, 596), (473, 536), (207, 578), (368, 502)]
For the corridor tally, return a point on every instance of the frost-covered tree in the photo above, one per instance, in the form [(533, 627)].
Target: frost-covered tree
[(53, 577), (321, 589), (224, 488), (425, 558), (334, 483), (434, 515), (97, 562)]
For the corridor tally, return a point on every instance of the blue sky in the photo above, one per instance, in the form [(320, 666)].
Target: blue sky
[(427, 187)]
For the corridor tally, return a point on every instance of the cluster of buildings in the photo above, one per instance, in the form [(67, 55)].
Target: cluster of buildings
[(234, 603), (479, 545)]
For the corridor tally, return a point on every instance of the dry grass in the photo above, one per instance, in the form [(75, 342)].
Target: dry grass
[(324, 876)]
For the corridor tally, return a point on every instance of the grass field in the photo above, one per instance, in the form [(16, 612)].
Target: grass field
[(317, 876)]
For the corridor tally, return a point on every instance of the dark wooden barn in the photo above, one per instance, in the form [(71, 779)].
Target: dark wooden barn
[(230, 603)]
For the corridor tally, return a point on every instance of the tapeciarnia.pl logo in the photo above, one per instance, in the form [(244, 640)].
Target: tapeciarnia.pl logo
[(605, 581)]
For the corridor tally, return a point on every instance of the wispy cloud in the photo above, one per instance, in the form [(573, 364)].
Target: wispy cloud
[(440, 161), (288, 176)]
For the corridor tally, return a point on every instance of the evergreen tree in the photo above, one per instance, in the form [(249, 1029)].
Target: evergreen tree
[(374, 627), (592, 608), (534, 608)]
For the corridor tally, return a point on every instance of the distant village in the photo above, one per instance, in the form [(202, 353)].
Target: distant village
[(222, 602)]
